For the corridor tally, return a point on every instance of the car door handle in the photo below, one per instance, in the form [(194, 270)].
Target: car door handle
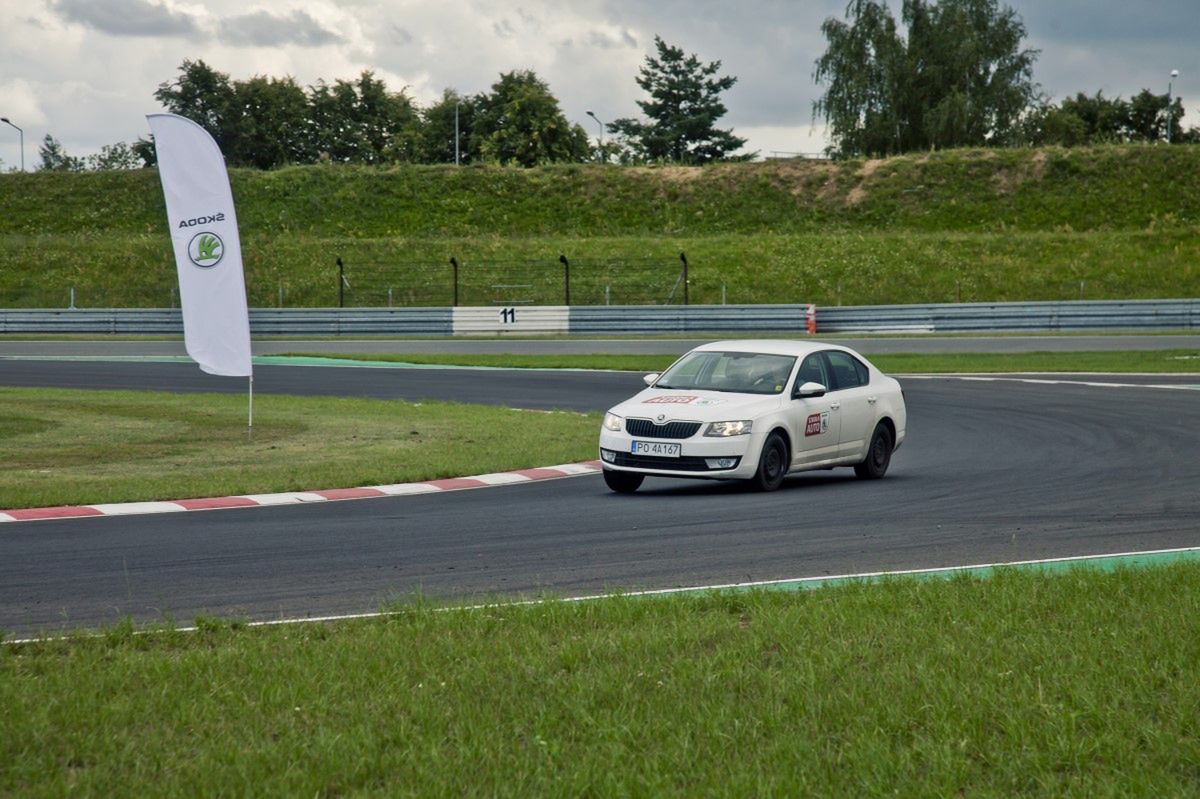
[(872, 400), (835, 405)]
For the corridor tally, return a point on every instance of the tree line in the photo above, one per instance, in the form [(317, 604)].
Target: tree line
[(266, 122), (955, 73), (948, 73)]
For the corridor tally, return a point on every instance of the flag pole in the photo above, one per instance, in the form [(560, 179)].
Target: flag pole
[(250, 423)]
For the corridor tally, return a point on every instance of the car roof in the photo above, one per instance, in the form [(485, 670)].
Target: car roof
[(796, 347)]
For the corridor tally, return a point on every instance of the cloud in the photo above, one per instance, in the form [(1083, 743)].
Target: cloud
[(264, 29), (611, 41), (86, 70), (503, 29), (126, 17)]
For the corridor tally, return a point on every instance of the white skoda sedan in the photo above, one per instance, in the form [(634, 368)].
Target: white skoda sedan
[(755, 410)]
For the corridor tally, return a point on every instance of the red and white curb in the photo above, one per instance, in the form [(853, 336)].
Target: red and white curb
[(304, 497)]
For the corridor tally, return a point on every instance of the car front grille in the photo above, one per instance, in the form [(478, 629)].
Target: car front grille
[(684, 464), (644, 428)]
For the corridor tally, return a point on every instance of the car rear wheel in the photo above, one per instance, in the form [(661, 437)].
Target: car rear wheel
[(623, 482), (772, 464), (879, 455)]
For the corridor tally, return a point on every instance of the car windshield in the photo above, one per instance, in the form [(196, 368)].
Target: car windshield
[(743, 372)]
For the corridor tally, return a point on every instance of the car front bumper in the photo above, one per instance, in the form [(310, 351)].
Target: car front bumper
[(700, 456)]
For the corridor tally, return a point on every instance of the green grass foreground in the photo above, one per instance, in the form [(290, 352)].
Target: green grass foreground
[(1083, 683), (1165, 361), (83, 447)]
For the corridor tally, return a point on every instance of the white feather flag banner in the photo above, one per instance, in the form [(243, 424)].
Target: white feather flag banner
[(208, 251)]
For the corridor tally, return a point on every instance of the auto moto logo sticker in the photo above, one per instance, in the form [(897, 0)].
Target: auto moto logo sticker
[(816, 424), (667, 399)]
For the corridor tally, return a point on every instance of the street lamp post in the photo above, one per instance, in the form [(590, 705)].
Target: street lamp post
[(1174, 75), (600, 157), (21, 133)]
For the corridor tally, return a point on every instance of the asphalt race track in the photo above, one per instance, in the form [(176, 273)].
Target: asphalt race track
[(992, 471)]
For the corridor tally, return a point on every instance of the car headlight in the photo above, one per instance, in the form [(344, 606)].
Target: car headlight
[(723, 429), (612, 422)]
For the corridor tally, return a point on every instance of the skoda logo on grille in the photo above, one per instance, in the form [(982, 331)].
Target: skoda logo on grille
[(660, 418)]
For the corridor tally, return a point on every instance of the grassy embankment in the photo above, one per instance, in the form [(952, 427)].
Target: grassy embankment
[(1084, 683), (969, 225)]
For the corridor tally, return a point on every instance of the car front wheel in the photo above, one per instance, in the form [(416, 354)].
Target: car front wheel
[(623, 482), (772, 464), (879, 455)]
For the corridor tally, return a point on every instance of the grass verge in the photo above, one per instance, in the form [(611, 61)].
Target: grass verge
[(1082, 683), (1166, 361), (157, 446)]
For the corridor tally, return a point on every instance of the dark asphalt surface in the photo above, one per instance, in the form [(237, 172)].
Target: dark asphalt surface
[(518, 388), (629, 346), (992, 471)]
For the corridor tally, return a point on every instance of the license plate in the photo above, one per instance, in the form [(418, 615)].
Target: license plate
[(656, 448)]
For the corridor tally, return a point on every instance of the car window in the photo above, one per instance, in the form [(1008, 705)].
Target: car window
[(813, 371), (743, 372), (848, 372)]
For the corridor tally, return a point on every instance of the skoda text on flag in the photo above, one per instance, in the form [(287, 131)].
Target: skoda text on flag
[(208, 252)]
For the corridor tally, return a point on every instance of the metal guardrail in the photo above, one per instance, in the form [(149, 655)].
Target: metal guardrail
[(1013, 316), (686, 318), (644, 319), (263, 321)]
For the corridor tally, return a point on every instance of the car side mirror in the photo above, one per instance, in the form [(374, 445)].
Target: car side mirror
[(810, 389), (650, 378)]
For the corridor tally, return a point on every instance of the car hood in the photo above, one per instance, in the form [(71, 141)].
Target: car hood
[(700, 406)]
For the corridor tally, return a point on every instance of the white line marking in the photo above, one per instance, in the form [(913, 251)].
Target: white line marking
[(576, 468), (501, 479), (284, 498), (134, 508), (1047, 382), (404, 489), (690, 589)]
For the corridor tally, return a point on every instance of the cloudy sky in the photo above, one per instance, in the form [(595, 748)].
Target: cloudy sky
[(85, 70)]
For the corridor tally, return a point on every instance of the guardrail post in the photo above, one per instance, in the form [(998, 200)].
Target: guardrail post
[(683, 257), (341, 283), (562, 259), (454, 263)]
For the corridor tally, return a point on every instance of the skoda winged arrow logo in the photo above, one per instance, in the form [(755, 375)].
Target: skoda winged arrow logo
[(206, 250)]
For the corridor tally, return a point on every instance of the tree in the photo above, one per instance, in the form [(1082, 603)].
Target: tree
[(519, 122), (683, 109), (144, 149), (1104, 120), (114, 156), (269, 122), (1150, 115), (1096, 119), (206, 97), (959, 78), (438, 131), (361, 121), (55, 158)]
